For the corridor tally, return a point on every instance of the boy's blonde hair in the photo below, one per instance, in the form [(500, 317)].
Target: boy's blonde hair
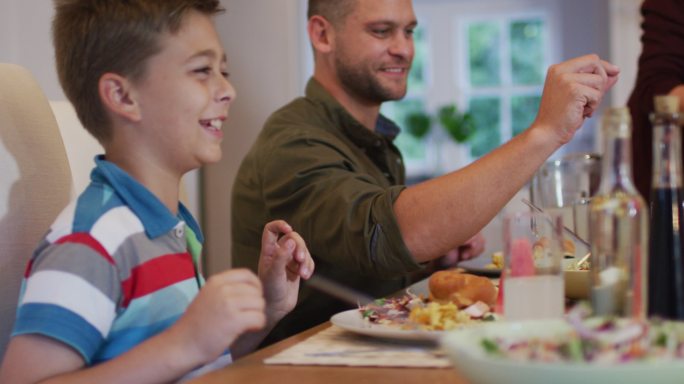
[(93, 37)]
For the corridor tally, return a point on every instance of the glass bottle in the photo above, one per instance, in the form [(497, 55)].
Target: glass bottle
[(666, 268), (618, 226)]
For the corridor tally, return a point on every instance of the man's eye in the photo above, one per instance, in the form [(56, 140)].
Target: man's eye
[(410, 32), (225, 74), (381, 32)]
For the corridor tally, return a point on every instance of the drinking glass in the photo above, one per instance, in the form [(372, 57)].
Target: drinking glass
[(533, 276)]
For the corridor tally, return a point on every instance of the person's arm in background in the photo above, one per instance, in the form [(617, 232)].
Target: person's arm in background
[(436, 215), (660, 72)]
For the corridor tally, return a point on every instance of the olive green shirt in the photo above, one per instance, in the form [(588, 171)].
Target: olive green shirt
[(335, 182)]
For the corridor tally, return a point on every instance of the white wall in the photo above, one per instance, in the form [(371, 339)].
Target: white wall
[(25, 40), (265, 60)]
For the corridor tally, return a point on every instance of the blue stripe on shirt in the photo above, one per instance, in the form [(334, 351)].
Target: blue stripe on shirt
[(128, 338), (61, 324)]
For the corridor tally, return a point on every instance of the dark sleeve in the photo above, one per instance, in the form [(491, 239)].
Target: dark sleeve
[(321, 186), (660, 69)]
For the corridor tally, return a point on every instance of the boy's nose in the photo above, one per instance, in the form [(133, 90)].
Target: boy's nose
[(226, 92)]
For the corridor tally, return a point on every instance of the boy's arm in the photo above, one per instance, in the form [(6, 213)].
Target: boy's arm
[(284, 259), (228, 305)]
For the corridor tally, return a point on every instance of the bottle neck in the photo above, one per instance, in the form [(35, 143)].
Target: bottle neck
[(616, 171), (667, 155)]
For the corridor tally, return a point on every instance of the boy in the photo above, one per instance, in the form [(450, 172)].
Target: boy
[(113, 292)]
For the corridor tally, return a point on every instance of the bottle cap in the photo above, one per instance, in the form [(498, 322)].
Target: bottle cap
[(618, 121), (666, 104)]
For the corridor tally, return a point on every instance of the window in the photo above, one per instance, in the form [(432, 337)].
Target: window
[(418, 157), (503, 75)]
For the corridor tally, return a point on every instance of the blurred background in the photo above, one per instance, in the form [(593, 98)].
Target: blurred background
[(479, 65)]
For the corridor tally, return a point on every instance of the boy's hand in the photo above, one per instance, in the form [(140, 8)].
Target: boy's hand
[(283, 261), (228, 305)]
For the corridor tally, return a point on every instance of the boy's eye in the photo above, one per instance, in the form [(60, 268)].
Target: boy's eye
[(225, 74), (203, 70)]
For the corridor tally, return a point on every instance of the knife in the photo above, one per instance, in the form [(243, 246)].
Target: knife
[(339, 291)]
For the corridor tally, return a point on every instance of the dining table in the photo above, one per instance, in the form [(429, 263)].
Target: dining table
[(252, 369), (379, 361)]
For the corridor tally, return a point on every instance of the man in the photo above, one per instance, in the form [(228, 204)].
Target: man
[(326, 162)]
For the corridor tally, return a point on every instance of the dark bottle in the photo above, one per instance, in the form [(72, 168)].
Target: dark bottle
[(666, 266)]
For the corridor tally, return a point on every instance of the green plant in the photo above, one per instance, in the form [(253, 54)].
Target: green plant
[(459, 125), (418, 124)]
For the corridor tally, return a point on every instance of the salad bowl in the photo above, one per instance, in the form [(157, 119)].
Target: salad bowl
[(482, 355)]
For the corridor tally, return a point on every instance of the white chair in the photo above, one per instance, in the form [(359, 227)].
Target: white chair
[(35, 181), (81, 146)]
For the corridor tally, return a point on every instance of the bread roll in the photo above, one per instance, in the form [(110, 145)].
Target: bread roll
[(461, 288)]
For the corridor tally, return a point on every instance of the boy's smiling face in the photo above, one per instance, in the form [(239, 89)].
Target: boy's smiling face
[(184, 98)]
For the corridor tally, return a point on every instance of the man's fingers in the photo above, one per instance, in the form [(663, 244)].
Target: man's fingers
[(589, 64)]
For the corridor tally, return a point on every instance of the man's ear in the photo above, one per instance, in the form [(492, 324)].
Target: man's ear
[(118, 96), (321, 34)]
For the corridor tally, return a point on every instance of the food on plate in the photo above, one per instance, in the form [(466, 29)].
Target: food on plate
[(462, 289), (391, 311), (436, 316), (454, 301), (497, 261)]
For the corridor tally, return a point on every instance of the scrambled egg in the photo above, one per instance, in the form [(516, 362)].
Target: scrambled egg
[(439, 317)]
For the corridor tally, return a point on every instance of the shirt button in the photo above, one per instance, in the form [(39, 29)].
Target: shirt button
[(377, 143), (387, 175), (179, 232), (398, 161)]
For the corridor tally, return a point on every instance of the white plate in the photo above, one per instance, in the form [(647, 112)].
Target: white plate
[(352, 320), (466, 353)]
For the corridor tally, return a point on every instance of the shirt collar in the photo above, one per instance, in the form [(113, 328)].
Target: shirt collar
[(359, 134), (155, 217)]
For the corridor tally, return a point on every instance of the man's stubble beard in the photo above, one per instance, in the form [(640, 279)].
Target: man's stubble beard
[(361, 84)]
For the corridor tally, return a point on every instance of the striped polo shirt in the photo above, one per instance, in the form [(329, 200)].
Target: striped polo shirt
[(115, 268)]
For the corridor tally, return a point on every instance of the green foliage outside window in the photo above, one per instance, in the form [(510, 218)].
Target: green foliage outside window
[(487, 117), (484, 54), (527, 52), (411, 147), (416, 77)]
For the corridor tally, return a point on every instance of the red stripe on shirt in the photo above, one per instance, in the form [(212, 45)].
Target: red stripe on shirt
[(156, 274), (86, 239), (27, 271)]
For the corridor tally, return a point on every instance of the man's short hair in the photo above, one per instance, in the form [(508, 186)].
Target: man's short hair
[(93, 37), (335, 11)]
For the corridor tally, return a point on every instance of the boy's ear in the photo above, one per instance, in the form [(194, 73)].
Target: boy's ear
[(118, 95), (321, 34)]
